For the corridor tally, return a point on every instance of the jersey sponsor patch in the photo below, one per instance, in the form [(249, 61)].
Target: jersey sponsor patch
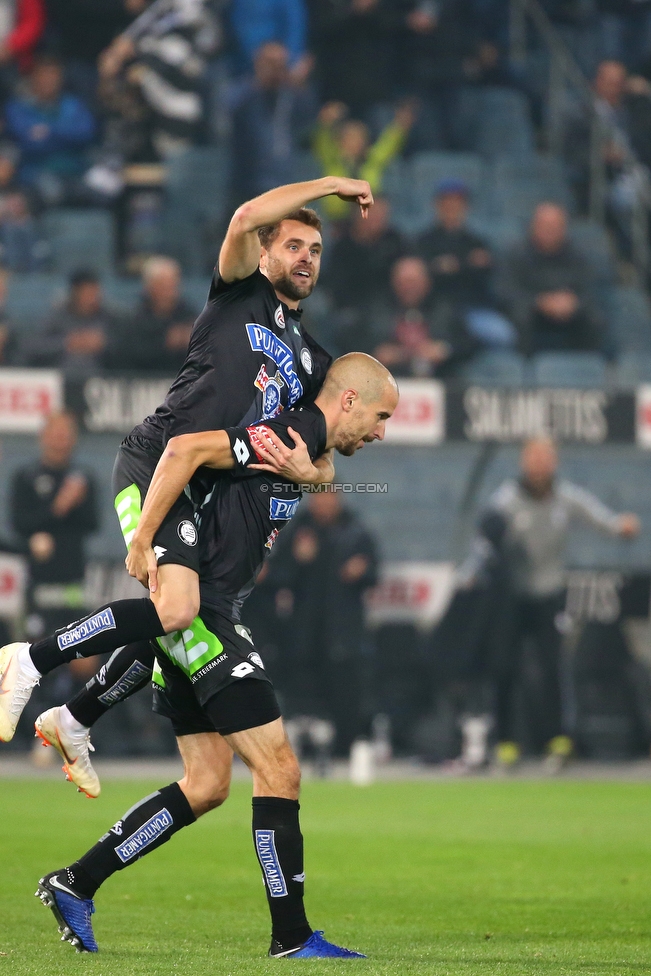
[(262, 339), (144, 836), (265, 845), (131, 677), (187, 532), (257, 434), (85, 629), (306, 359), (282, 509)]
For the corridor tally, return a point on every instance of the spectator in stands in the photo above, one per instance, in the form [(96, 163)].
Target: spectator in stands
[(53, 510), (415, 334), (439, 45), (270, 114), (20, 31), (78, 332), (546, 284), (52, 130), (8, 344), (343, 147), (156, 337), (257, 22), (536, 511), (461, 266), (625, 31), (22, 247), (355, 46), (359, 264), (163, 54), (82, 32), (624, 105), (322, 567)]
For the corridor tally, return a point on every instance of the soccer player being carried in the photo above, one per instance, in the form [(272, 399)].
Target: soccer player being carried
[(248, 359), (216, 692)]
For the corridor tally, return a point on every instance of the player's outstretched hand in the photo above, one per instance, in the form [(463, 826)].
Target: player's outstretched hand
[(355, 191), (141, 563), (292, 463)]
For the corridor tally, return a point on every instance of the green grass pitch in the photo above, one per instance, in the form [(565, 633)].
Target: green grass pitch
[(508, 877)]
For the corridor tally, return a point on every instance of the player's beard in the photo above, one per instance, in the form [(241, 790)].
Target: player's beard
[(285, 285)]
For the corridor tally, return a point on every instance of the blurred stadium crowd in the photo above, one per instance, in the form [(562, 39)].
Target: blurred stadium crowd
[(130, 130)]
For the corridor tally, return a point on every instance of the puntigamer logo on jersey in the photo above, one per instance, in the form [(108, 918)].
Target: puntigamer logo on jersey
[(282, 509), (263, 340), (85, 629)]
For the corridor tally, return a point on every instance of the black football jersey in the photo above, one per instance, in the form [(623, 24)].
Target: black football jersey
[(248, 359), (246, 510)]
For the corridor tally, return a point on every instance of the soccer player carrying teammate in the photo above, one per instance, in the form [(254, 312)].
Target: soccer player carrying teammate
[(248, 359), (227, 703)]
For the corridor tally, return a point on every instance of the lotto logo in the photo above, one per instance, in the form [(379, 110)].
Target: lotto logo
[(241, 451)]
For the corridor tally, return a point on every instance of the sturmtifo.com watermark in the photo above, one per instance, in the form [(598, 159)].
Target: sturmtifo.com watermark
[(346, 487)]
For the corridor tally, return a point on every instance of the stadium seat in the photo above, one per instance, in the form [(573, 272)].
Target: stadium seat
[(631, 369), (411, 186), (80, 239), (503, 122), (571, 369), (521, 181), (30, 298), (630, 320), (197, 194), (496, 368)]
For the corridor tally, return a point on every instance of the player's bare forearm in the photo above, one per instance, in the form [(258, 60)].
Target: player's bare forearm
[(240, 253), (179, 461), (325, 467)]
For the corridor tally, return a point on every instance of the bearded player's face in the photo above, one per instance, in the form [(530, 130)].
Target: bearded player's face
[(293, 261)]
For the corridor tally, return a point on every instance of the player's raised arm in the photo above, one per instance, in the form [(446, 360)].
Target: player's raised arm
[(240, 252)]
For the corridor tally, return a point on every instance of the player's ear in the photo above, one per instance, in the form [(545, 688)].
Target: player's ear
[(263, 257), (348, 398)]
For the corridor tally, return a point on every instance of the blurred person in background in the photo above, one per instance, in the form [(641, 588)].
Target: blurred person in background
[(625, 31), (537, 510), (415, 333), (155, 339), (322, 566), (461, 266), (624, 105), (163, 56), (52, 510), (78, 332), (53, 130), (21, 28), (358, 270), (22, 246), (9, 352), (356, 52), (258, 22), (546, 284), (271, 112), (343, 146)]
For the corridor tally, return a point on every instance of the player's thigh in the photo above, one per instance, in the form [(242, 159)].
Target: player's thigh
[(267, 752), (177, 598), (207, 764)]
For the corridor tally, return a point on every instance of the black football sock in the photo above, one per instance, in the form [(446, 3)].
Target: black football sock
[(144, 827), (127, 671), (279, 845), (114, 625)]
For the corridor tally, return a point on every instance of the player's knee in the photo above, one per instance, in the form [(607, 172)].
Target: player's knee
[(216, 795)]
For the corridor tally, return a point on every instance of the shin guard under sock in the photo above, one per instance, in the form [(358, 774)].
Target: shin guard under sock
[(114, 625), (127, 671), (279, 845), (144, 827)]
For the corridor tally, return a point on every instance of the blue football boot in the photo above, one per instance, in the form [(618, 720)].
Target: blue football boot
[(316, 947), (70, 909)]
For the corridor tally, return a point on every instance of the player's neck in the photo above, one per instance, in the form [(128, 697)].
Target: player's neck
[(332, 413), (292, 303)]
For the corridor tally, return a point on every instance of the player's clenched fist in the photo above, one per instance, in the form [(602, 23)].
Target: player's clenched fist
[(355, 191)]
